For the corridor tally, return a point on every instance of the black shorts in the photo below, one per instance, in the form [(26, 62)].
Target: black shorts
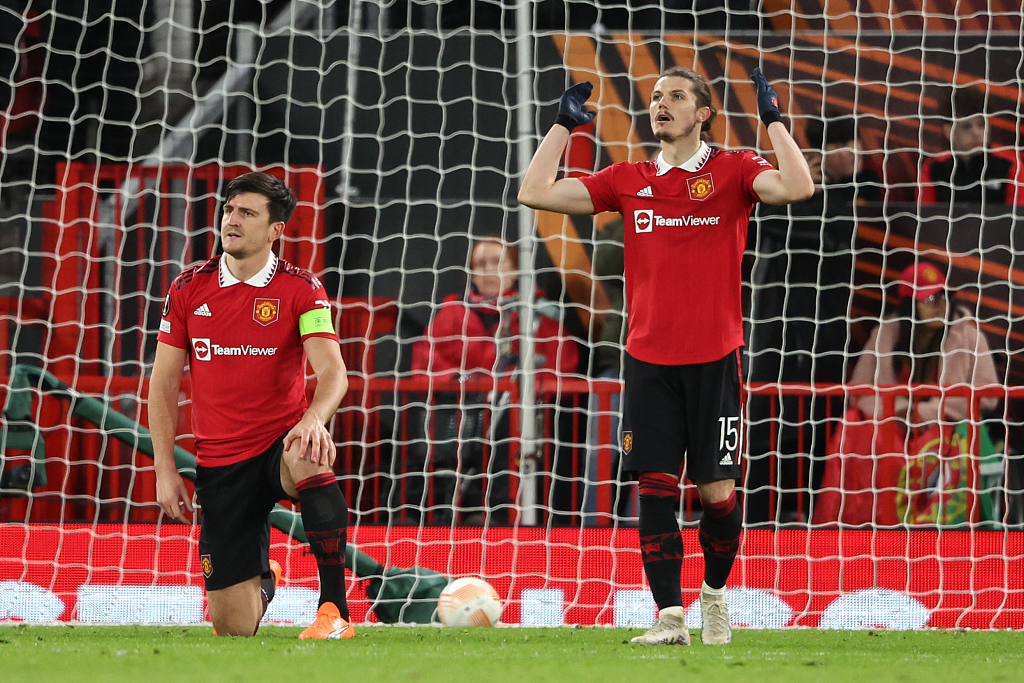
[(236, 500), (683, 414)]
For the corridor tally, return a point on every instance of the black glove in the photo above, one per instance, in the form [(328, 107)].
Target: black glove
[(570, 107), (767, 100)]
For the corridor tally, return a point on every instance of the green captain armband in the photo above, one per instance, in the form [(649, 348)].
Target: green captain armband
[(316, 321)]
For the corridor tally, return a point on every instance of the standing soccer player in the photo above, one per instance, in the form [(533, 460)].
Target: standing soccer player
[(686, 215), (246, 322)]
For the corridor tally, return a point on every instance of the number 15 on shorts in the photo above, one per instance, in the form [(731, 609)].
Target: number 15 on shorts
[(730, 436)]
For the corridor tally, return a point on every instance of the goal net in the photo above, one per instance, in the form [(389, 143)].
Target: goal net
[(883, 486)]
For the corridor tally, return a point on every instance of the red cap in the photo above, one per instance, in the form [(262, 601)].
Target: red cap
[(921, 280)]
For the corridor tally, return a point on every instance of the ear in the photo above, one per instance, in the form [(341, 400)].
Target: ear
[(706, 115), (276, 230)]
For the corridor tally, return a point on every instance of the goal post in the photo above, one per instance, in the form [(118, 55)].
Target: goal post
[(405, 129)]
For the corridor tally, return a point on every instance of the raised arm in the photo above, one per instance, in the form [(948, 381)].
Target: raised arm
[(792, 181), (541, 188)]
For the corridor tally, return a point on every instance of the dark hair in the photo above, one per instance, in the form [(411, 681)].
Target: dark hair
[(701, 90), (835, 128), (963, 103), (281, 200), (923, 363)]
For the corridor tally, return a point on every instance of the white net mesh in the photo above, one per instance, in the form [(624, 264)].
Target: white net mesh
[(402, 127)]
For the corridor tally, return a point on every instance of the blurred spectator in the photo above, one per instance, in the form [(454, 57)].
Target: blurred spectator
[(480, 333), (800, 302), (928, 341), (837, 162), (478, 336), (971, 172), (912, 467)]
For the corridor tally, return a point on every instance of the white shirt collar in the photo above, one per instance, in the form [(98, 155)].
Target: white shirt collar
[(693, 164), (260, 279)]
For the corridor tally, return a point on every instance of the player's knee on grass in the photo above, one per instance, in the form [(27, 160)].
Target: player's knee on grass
[(233, 628), (236, 610)]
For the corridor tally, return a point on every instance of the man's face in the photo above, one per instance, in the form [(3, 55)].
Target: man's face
[(968, 135), (841, 161), (492, 270), (245, 227), (674, 111)]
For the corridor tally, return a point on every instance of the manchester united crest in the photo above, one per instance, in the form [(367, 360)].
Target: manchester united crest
[(627, 442), (701, 187), (265, 311), (207, 564)]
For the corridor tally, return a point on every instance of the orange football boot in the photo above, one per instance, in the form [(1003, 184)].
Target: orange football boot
[(275, 569), (328, 625)]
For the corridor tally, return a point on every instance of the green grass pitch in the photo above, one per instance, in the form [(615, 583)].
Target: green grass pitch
[(113, 654)]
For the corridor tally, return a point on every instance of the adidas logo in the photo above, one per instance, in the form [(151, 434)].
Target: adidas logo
[(727, 460), (646, 192), (203, 310)]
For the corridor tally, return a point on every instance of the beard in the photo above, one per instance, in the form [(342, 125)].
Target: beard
[(665, 136)]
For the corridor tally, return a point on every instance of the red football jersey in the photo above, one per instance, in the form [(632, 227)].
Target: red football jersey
[(245, 352), (685, 232), (462, 336)]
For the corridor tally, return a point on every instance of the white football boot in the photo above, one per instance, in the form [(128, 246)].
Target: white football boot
[(669, 629), (714, 614)]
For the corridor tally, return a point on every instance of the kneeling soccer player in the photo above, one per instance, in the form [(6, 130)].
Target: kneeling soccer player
[(246, 322)]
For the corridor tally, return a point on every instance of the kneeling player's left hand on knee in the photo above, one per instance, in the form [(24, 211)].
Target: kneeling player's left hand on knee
[(315, 442)]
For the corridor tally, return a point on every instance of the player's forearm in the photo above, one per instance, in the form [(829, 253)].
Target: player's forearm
[(331, 387), (796, 175), (542, 173), (163, 418)]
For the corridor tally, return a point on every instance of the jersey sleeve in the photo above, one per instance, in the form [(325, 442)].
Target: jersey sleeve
[(172, 317), (751, 166), (601, 187), (314, 311)]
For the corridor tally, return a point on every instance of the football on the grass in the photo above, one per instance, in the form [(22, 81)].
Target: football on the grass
[(469, 602)]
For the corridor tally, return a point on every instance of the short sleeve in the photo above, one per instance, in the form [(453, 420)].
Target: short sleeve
[(752, 166), (173, 330), (601, 187), (314, 308)]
